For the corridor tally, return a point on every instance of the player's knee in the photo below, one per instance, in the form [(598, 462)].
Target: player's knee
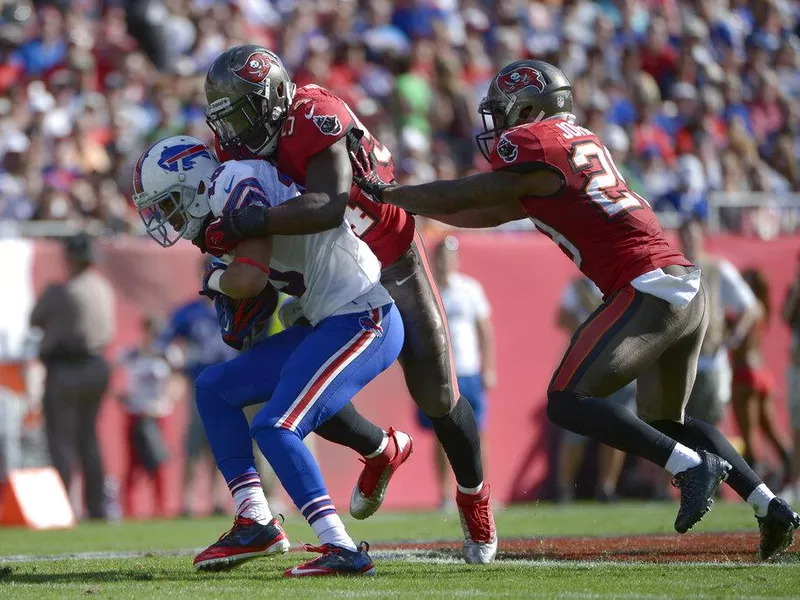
[(267, 424), (209, 377), (562, 407), (435, 402), (263, 422), (207, 385)]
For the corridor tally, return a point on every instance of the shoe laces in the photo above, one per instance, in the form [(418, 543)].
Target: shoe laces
[(374, 467), (240, 521), (332, 548), (477, 520), (322, 548)]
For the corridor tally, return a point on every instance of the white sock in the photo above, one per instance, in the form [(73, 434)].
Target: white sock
[(681, 459), (330, 530), (475, 490), (381, 448), (252, 504), (760, 498)]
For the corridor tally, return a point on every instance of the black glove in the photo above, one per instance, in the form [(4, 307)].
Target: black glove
[(366, 177), (224, 233)]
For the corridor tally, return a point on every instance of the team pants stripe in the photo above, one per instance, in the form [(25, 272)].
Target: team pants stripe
[(318, 499), (588, 335), (327, 373), (249, 478)]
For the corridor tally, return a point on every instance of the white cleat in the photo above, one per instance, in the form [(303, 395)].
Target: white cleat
[(477, 522)]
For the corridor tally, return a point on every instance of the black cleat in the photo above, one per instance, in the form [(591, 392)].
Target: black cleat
[(698, 486), (777, 528)]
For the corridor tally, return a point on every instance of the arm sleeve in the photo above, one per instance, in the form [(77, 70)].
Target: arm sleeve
[(736, 294)]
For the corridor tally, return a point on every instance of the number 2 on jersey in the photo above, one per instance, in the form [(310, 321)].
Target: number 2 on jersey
[(605, 185)]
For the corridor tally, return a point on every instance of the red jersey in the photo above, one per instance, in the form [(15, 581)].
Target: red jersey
[(316, 120), (608, 231)]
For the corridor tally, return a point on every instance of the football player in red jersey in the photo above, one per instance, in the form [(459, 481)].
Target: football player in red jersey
[(256, 111), (653, 319)]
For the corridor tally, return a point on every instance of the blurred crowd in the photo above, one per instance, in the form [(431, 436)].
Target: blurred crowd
[(692, 97)]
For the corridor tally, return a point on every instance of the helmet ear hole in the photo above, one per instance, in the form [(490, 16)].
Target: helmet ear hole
[(525, 113), (280, 90)]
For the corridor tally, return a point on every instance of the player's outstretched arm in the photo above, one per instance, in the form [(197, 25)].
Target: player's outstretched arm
[(484, 190), (477, 218), (248, 274)]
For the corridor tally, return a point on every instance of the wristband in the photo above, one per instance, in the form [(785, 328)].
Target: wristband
[(213, 281)]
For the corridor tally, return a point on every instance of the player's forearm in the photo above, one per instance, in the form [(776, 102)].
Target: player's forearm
[(471, 218), (449, 197), (248, 274), (309, 213), (242, 282)]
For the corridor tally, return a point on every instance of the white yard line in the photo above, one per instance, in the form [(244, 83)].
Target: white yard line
[(411, 555)]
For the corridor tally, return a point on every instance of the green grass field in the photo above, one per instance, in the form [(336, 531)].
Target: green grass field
[(155, 560)]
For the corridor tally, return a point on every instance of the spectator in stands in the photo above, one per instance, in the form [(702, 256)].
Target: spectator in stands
[(421, 65), (728, 294), (791, 316), (472, 337), (580, 299), (16, 200), (77, 323), (148, 397)]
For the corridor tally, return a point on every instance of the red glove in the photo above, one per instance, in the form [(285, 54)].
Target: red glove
[(217, 238)]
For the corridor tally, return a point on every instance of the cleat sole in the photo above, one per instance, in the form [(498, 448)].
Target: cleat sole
[(226, 563)]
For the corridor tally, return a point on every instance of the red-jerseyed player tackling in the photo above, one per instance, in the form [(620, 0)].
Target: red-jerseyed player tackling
[(653, 319), (256, 111)]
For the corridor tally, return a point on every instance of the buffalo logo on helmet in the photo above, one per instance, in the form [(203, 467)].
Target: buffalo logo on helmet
[(507, 150), (328, 124), (256, 67), (183, 155), (519, 79)]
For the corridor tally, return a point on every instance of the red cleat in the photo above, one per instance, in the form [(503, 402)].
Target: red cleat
[(246, 540), (370, 490), (477, 522)]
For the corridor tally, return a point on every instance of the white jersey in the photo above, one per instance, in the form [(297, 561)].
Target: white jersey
[(331, 273)]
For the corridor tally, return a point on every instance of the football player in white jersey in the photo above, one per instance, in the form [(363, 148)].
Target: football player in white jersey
[(308, 374)]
